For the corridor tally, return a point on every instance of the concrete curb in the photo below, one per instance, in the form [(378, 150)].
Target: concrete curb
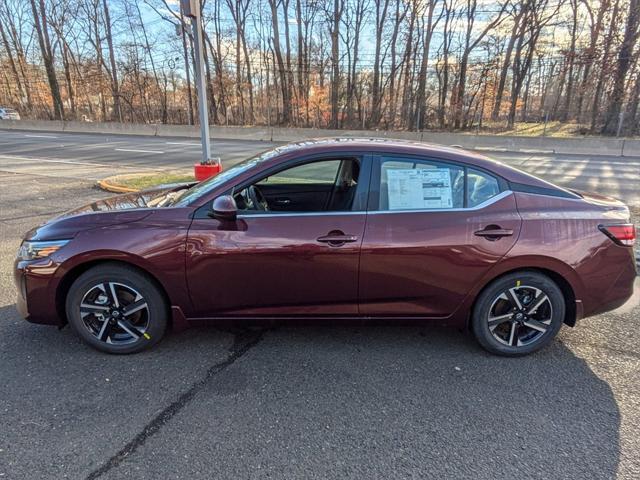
[(107, 185), (114, 182)]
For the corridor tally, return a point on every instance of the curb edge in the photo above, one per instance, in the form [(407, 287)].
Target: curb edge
[(114, 188)]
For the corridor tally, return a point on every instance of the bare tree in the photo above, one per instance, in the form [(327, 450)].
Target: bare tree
[(625, 60), (517, 13), (589, 57), (454, 64), (417, 120), (334, 29), (282, 73), (42, 28), (536, 17), (470, 43)]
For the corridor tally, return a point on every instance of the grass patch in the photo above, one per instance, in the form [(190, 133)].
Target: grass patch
[(144, 181)]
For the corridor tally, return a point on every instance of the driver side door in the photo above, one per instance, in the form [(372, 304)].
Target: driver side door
[(296, 258)]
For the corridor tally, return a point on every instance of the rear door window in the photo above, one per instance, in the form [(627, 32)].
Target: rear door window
[(408, 184)]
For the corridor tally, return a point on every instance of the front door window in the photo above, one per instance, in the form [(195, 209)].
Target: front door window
[(318, 186)]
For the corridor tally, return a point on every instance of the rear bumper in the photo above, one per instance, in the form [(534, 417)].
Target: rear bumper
[(606, 296)]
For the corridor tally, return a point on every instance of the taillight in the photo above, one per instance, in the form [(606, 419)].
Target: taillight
[(622, 234)]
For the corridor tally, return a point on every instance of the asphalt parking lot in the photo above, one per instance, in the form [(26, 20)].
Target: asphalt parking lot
[(319, 401)]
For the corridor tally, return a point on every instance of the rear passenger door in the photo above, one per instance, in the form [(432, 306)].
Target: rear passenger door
[(433, 230)]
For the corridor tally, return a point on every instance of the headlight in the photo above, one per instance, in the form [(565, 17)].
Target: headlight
[(34, 250)]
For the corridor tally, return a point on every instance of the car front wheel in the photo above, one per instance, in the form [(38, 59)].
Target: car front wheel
[(116, 309), (518, 314)]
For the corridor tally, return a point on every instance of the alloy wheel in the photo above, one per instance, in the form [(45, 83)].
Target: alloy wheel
[(520, 316), (115, 313)]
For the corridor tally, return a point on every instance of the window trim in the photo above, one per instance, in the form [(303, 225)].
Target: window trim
[(546, 191), (480, 206)]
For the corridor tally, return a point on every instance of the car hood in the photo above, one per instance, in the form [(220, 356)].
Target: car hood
[(135, 200), (120, 209)]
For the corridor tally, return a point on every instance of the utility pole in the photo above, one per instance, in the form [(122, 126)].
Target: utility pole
[(192, 10)]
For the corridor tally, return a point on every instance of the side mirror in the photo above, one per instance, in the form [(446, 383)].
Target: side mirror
[(224, 208)]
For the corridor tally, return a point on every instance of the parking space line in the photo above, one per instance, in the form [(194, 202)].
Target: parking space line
[(40, 136), (136, 151), (99, 145), (78, 162)]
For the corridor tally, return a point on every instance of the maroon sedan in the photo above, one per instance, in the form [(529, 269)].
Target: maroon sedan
[(345, 228)]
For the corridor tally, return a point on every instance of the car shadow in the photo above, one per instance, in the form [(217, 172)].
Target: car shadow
[(382, 401)]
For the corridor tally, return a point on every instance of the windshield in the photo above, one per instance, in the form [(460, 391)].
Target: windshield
[(188, 196)]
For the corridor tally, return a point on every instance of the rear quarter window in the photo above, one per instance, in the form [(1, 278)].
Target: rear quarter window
[(481, 186)]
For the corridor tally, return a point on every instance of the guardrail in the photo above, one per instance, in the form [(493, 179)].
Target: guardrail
[(581, 145)]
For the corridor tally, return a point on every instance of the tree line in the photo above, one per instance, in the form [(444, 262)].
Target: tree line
[(389, 64)]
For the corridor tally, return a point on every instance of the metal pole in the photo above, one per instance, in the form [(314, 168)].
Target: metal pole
[(546, 120), (183, 32), (196, 24)]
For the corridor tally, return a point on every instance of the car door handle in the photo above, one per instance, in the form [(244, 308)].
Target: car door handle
[(282, 201), (493, 233), (335, 240)]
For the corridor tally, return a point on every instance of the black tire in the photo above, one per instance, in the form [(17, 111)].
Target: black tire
[(502, 328), (127, 331)]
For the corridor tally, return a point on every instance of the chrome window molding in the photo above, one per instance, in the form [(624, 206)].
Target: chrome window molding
[(480, 206), (298, 214)]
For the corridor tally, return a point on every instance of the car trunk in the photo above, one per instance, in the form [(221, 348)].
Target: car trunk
[(609, 203)]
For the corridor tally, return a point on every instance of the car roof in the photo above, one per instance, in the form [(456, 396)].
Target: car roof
[(409, 147), (365, 143)]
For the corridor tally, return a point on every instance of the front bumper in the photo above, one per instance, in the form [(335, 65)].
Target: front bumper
[(36, 284)]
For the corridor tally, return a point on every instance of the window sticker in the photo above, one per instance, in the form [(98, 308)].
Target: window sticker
[(425, 188)]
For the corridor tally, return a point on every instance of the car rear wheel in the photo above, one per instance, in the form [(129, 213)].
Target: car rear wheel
[(116, 309), (518, 314)]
